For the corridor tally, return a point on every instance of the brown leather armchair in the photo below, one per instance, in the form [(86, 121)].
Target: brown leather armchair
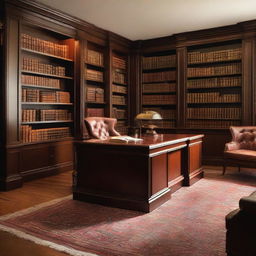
[(101, 127), (241, 226), (241, 151)]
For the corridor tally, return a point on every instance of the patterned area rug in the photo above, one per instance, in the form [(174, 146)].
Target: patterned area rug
[(192, 223)]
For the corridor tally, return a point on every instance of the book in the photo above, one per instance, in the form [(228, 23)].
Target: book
[(124, 139)]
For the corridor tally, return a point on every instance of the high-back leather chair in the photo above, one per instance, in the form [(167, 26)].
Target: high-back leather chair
[(101, 127), (241, 151)]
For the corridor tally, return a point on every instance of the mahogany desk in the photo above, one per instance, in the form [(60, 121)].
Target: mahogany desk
[(138, 175)]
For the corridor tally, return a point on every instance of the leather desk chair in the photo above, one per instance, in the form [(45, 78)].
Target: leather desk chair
[(241, 151), (101, 127)]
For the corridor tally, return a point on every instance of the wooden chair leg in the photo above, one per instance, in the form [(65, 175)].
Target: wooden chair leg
[(224, 169), (239, 168)]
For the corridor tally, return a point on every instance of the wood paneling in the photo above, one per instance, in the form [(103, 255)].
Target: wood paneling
[(174, 165)]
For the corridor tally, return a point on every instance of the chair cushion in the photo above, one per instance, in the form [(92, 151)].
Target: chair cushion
[(248, 203), (241, 154)]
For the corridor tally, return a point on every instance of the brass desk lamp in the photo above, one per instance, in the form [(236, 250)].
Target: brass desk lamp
[(146, 120)]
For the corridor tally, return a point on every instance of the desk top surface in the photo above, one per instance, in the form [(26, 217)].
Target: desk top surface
[(148, 141)]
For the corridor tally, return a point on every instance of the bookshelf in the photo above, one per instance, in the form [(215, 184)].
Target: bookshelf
[(214, 85), (46, 85), (159, 86), (95, 80), (120, 90)]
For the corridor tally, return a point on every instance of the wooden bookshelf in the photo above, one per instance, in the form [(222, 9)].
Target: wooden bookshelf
[(159, 86), (214, 85), (46, 85), (120, 90), (95, 80)]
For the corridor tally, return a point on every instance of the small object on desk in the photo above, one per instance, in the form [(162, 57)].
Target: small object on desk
[(124, 139)]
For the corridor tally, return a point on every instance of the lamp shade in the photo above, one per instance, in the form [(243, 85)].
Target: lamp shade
[(148, 115)]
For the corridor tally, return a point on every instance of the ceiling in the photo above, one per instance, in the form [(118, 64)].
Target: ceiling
[(144, 19)]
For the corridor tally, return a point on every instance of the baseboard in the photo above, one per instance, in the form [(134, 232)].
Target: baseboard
[(11, 182)]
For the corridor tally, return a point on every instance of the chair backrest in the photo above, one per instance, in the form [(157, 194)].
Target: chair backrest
[(245, 136), (101, 127)]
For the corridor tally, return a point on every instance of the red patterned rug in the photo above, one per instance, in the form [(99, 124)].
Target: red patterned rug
[(192, 223)]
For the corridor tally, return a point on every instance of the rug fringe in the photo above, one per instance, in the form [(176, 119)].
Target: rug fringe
[(39, 241), (36, 240)]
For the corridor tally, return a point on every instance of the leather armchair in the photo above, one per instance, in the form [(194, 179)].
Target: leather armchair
[(101, 127), (241, 151), (241, 226)]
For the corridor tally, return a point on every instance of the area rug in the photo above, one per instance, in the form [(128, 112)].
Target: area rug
[(192, 223)]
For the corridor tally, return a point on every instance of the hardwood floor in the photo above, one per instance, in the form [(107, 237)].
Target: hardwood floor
[(32, 193)]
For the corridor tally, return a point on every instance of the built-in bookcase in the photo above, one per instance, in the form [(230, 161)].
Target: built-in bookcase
[(214, 85), (120, 90), (95, 80), (159, 86), (46, 85)]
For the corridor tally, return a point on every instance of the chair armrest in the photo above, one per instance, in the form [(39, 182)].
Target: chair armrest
[(248, 204), (115, 133), (231, 146)]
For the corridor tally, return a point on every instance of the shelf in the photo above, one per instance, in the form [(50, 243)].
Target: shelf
[(48, 122), (224, 75), (205, 103), (119, 83), (214, 63), (119, 104), (94, 65), (123, 93), (218, 119), (214, 87), (158, 69), (165, 104), (44, 74), (94, 102), (157, 93), (46, 103), (47, 141), (157, 82), (47, 54), (41, 87), (95, 81)]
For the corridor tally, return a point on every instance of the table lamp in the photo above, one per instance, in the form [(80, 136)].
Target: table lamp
[(148, 116)]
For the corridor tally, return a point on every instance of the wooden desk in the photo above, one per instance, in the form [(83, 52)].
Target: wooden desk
[(138, 176)]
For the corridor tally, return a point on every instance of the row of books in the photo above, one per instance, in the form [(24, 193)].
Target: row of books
[(119, 77), (33, 115), (39, 45), (28, 134), (159, 62), (118, 88), (210, 113), (95, 112), (159, 87), (35, 95), (118, 99), (119, 113), (165, 113), (215, 82), (94, 58), (35, 65), (40, 81), (211, 123), (95, 94), (159, 76), (214, 56), (123, 130), (230, 69), (158, 99), (119, 62), (213, 97), (94, 75)]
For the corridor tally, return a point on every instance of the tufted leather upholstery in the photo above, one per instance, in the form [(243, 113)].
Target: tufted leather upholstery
[(241, 226), (242, 149), (101, 127)]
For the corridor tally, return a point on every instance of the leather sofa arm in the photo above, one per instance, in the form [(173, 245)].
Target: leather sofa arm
[(231, 146), (248, 203)]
